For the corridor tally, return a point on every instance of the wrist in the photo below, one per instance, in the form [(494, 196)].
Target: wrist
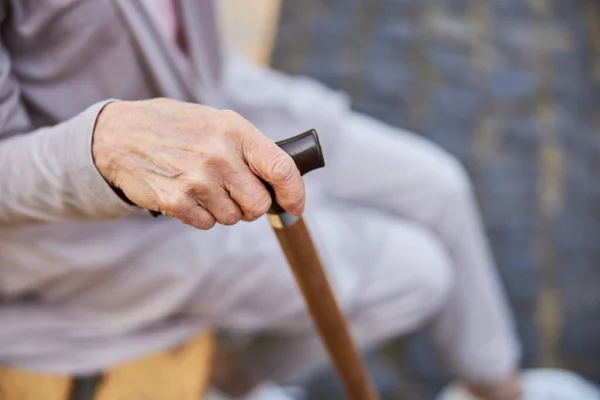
[(104, 149)]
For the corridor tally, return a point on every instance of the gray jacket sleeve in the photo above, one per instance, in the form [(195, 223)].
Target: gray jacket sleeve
[(48, 174)]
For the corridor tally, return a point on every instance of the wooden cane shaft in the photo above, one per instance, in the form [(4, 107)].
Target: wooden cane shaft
[(304, 261)]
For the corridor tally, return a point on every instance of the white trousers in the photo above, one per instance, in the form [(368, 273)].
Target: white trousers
[(397, 227), (394, 219)]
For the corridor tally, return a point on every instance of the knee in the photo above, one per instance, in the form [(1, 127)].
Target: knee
[(451, 181)]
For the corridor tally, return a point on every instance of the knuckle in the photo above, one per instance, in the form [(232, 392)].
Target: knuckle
[(202, 191), (175, 204), (258, 207), (228, 116), (215, 161), (282, 168), (198, 185), (204, 222), (230, 216)]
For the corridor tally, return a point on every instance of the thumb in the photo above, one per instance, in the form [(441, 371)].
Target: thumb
[(266, 160)]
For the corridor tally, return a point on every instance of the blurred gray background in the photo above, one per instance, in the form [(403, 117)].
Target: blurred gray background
[(511, 88)]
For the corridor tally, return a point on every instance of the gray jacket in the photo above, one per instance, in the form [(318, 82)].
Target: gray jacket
[(59, 63)]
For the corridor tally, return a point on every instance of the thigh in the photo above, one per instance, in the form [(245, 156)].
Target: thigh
[(374, 164), (368, 162), (369, 257), (249, 286)]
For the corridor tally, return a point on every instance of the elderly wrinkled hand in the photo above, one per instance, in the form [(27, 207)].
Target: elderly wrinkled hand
[(193, 162)]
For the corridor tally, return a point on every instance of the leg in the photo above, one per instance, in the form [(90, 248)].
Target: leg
[(389, 276), (385, 168), (377, 166), (406, 283)]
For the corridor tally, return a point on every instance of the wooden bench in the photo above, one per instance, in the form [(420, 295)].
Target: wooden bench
[(182, 373)]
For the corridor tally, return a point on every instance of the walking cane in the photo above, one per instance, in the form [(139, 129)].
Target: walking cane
[(301, 254)]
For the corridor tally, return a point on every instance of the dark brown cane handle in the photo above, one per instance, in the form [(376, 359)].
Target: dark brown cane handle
[(306, 152)]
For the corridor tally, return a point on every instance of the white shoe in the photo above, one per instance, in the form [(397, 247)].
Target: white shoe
[(265, 391), (540, 384), (270, 391)]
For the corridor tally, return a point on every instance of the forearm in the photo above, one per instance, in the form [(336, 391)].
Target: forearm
[(49, 175)]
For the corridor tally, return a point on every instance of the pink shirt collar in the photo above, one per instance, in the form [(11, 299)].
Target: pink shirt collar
[(164, 14)]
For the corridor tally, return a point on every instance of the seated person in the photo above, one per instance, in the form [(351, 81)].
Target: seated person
[(109, 109)]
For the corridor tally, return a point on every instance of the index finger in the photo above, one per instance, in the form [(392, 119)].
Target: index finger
[(274, 166)]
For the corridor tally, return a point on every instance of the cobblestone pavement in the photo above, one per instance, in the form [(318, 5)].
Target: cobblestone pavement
[(510, 87)]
